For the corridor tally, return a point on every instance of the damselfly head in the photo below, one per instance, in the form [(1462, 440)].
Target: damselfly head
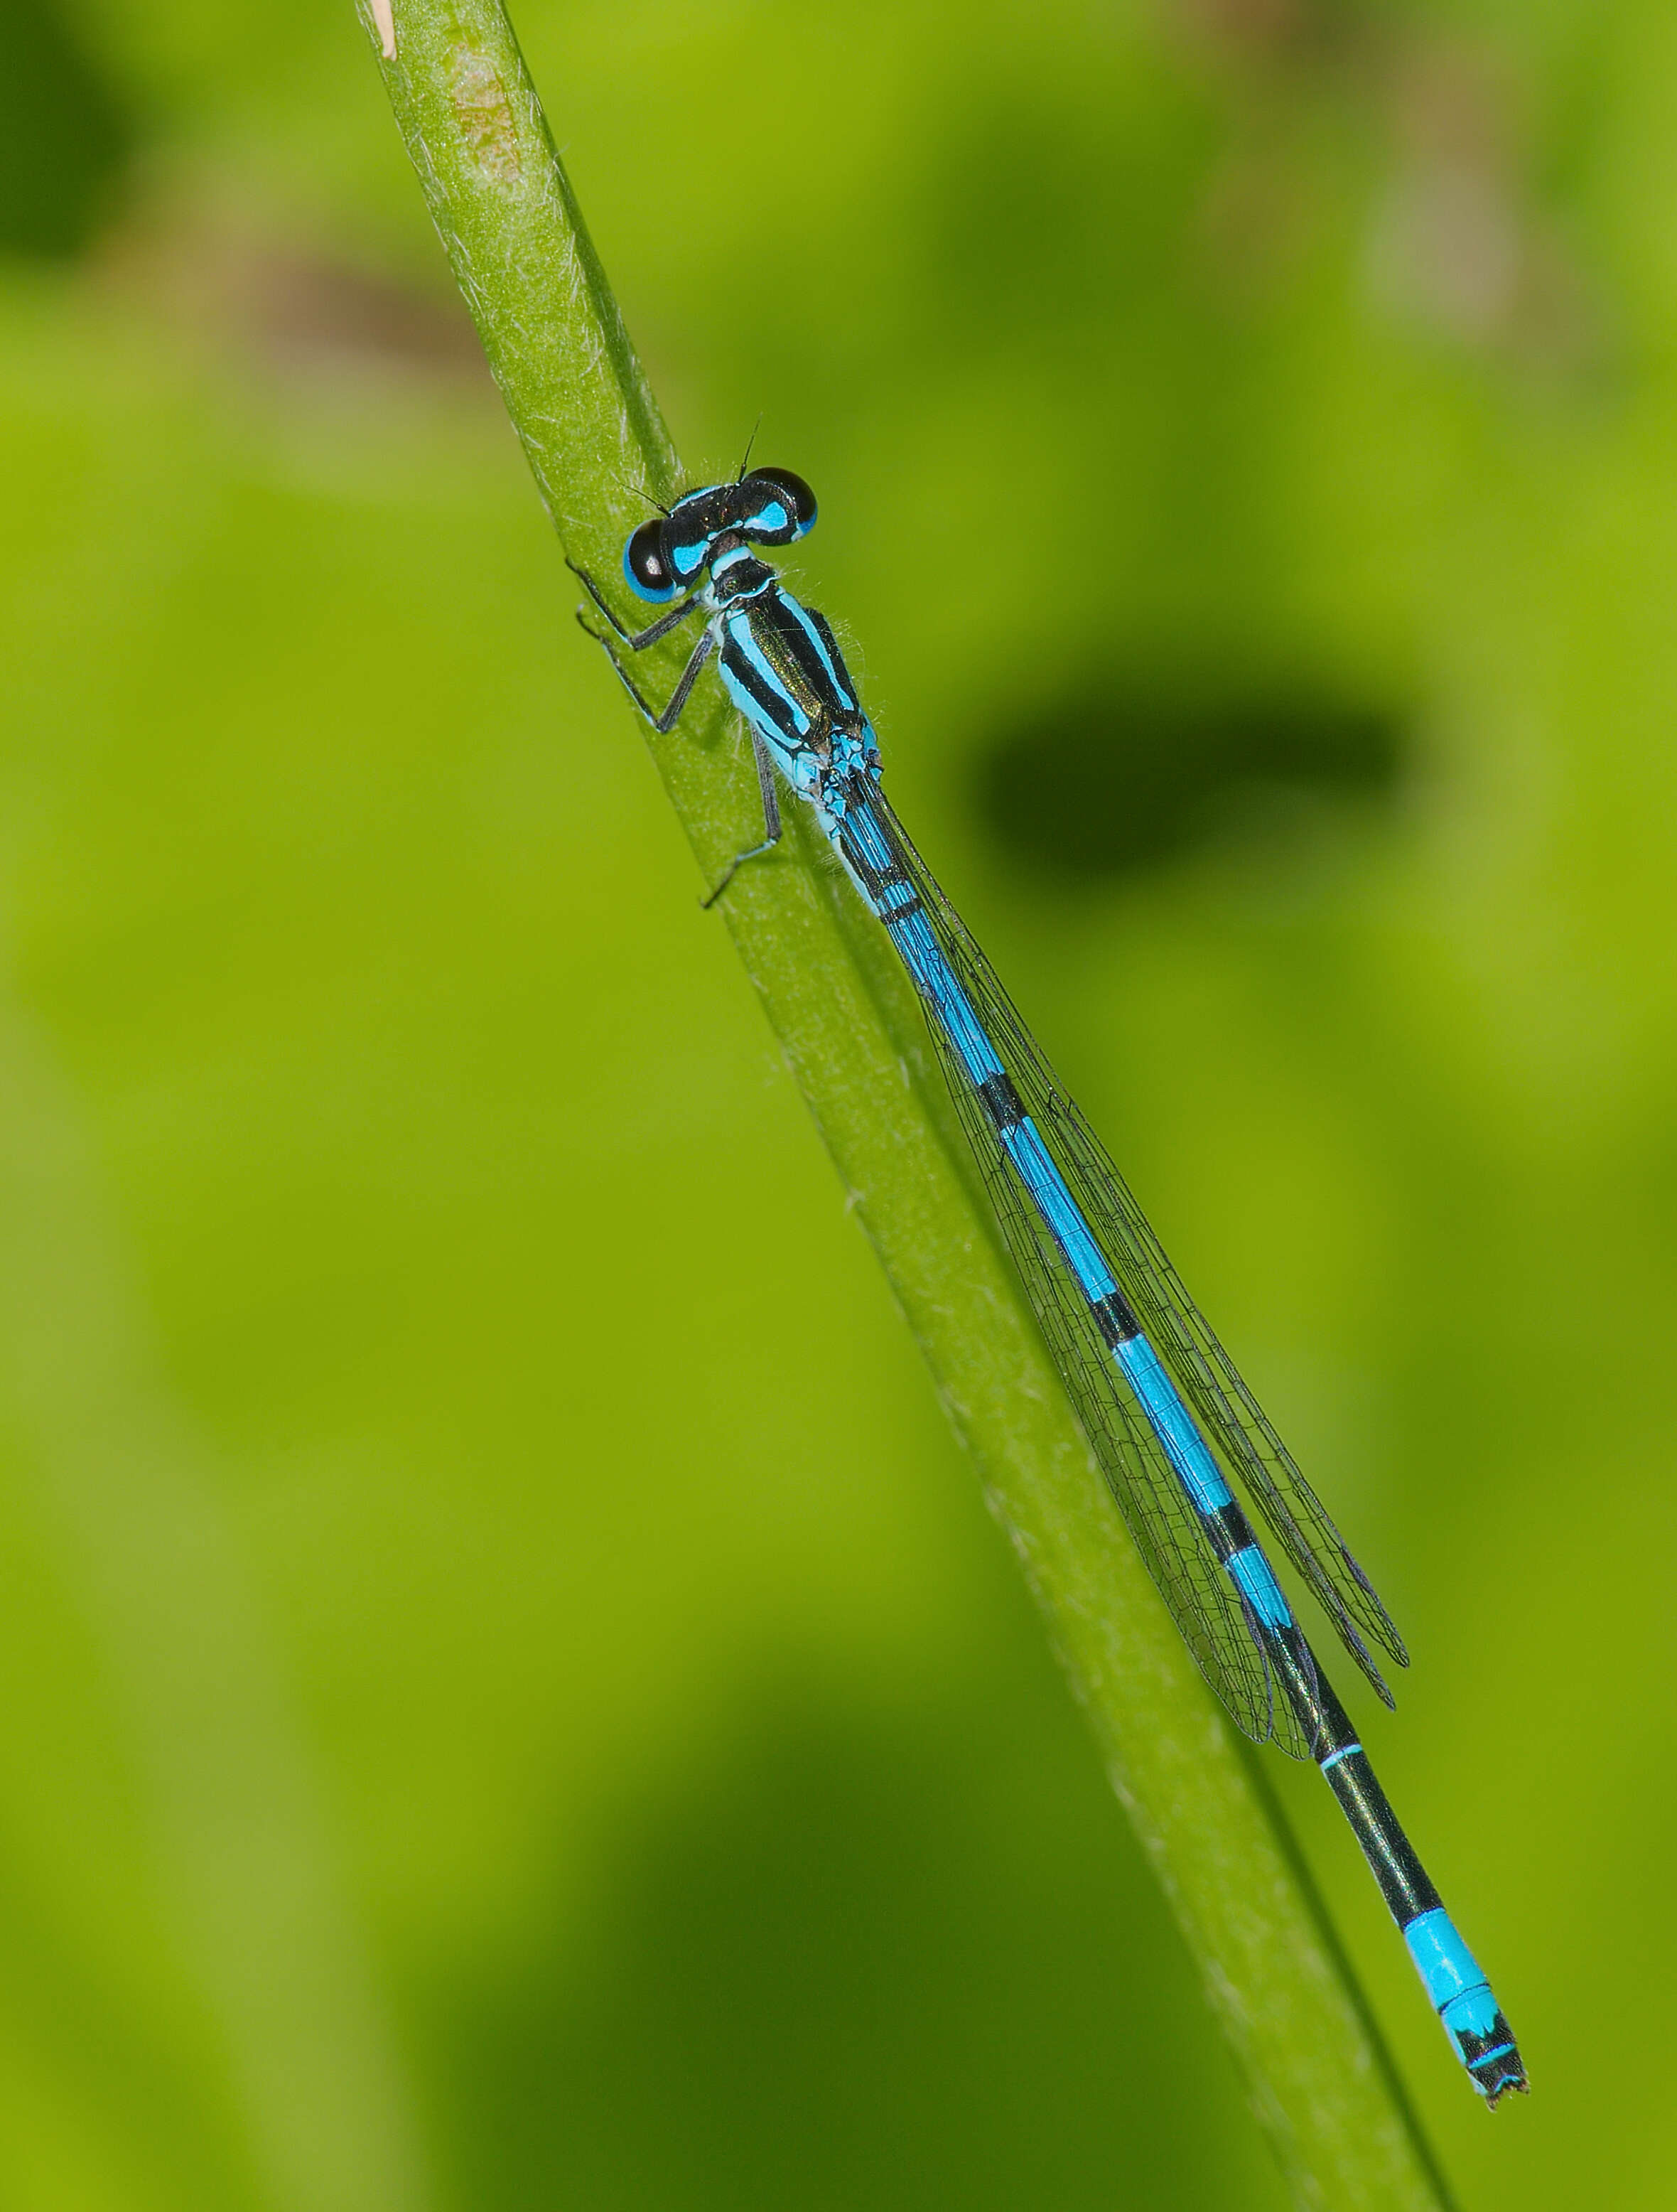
[(770, 507)]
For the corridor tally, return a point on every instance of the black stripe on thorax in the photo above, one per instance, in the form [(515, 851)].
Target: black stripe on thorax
[(786, 643), (830, 642), (775, 710)]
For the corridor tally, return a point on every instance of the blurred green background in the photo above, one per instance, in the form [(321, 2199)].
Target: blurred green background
[(512, 1696)]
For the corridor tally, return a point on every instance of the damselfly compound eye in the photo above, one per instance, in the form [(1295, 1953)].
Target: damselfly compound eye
[(644, 564), (799, 503)]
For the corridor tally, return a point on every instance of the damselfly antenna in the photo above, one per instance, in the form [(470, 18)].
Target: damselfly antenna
[(640, 492), (745, 462)]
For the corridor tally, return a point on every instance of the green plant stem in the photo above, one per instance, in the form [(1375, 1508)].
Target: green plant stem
[(852, 1033)]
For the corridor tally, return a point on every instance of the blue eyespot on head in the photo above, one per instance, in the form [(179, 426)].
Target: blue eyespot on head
[(647, 568), (775, 506)]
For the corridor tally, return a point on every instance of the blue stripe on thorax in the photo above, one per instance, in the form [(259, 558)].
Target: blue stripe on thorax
[(783, 745), (740, 634)]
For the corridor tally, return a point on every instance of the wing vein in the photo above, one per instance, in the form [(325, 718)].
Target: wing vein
[(1208, 1610)]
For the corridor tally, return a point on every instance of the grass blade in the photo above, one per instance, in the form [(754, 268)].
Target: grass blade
[(850, 1029)]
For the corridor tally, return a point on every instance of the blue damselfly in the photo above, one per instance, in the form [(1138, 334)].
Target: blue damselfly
[(1166, 1415)]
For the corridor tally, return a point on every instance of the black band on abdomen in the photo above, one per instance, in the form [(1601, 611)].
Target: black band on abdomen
[(1003, 1104), (1115, 1318), (1404, 1882)]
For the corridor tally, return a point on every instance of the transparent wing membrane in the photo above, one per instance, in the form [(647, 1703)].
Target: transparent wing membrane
[(1208, 1610)]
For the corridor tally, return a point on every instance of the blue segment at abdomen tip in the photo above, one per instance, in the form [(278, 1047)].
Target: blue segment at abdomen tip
[(1452, 1976)]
